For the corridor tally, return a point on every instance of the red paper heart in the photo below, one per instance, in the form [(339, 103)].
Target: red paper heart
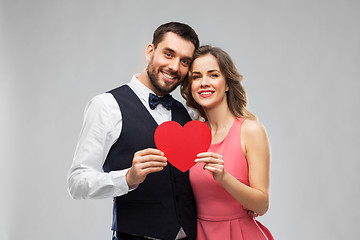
[(181, 144)]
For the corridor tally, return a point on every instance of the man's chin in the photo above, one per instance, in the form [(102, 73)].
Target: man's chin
[(166, 89), (163, 86)]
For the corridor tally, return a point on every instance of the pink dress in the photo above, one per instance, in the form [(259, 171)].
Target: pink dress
[(220, 216)]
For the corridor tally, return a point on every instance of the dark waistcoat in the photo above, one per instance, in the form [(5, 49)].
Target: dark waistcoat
[(164, 201)]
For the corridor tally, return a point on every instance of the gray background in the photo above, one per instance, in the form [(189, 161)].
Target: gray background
[(300, 60)]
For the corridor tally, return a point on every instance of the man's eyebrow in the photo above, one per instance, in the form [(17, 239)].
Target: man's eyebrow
[(189, 58), (169, 49)]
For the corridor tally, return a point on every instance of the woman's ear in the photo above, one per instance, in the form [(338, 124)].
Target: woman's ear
[(149, 51)]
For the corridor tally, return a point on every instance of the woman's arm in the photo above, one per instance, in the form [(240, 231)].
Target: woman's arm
[(256, 150)]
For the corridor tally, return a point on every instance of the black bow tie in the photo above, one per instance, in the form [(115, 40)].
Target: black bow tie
[(166, 101)]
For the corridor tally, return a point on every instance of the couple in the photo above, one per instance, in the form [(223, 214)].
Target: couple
[(116, 156)]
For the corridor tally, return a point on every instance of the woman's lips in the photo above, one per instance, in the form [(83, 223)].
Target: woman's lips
[(206, 93)]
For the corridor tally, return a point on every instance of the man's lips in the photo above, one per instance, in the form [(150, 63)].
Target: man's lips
[(169, 76)]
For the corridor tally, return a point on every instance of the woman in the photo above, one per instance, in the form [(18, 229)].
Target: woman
[(232, 178)]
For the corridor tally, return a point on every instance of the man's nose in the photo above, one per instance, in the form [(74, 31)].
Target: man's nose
[(174, 64)]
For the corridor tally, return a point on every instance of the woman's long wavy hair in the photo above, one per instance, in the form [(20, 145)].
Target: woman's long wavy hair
[(236, 96)]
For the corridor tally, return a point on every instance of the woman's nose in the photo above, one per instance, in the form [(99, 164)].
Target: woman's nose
[(204, 81)]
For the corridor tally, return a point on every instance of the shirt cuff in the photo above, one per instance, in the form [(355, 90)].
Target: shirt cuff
[(119, 180)]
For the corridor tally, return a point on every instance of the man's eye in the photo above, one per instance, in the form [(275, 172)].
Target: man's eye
[(167, 54), (185, 62)]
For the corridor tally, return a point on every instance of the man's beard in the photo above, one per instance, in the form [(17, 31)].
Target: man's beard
[(154, 80)]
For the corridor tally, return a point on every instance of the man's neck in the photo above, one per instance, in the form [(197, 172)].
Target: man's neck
[(145, 80)]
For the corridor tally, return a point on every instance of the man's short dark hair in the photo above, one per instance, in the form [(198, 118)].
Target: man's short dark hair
[(181, 29)]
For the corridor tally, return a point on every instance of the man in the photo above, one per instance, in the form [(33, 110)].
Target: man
[(116, 155)]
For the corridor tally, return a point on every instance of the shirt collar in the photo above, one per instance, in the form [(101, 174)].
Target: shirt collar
[(140, 89)]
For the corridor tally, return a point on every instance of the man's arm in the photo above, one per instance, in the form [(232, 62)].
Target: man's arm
[(101, 128)]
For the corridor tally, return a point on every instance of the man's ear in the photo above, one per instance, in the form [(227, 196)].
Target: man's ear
[(149, 51)]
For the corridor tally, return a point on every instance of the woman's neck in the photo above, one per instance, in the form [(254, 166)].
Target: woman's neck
[(220, 121)]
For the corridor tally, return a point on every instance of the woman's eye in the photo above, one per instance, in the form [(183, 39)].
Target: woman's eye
[(195, 77), (214, 75)]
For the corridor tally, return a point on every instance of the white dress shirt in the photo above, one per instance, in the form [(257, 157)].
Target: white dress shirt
[(101, 128)]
